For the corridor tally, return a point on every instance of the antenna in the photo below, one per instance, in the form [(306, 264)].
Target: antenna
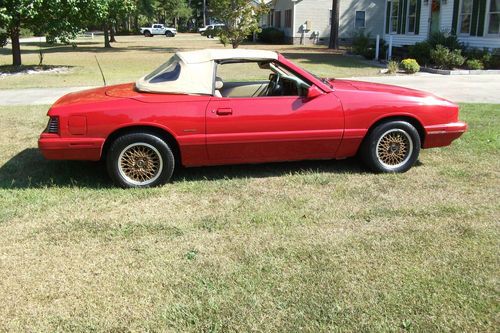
[(102, 74)]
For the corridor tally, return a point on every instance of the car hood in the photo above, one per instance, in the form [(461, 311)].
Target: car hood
[(381, 88)]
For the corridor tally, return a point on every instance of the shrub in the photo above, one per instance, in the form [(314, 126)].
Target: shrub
[(271, 36), (410, 66), (492, 60), (392, 67), (474, 64), (3, 38), (365, 46), (444, 58), (421, 52), (449, 41)]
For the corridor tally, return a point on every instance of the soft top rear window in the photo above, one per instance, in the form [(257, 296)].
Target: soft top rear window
[(169, 71)]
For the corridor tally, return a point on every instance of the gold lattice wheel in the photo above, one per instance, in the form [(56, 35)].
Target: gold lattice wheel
[(140, 163), (394, 148)]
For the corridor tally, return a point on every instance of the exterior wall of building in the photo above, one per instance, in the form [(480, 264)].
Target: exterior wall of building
[(317, 13), (445, 25)]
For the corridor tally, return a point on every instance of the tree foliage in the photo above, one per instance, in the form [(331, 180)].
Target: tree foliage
[(60, 19), (240, 17)]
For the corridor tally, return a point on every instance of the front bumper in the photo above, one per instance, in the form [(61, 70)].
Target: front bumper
[(54, 147), (444, 134)]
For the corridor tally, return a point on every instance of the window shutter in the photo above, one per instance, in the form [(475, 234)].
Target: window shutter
[(405, 11), (473, 24), (388, 18), (454, 24), (400, 17), (417, 17), (482, 16)]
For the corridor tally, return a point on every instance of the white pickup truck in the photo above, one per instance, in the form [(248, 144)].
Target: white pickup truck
[(158, 29)]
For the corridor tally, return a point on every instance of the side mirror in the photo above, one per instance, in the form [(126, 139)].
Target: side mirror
[(313, 92)]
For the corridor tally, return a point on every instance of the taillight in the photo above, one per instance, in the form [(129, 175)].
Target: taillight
[(53, 125)]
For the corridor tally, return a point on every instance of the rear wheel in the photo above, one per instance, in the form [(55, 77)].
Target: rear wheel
[(391, 147), (140, 160), (147, 34)]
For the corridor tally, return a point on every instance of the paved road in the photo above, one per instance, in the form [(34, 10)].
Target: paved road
[(459, 88)]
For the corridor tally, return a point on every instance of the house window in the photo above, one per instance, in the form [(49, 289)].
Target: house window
[(465, 16), (412, 16), (394, 16), (277, 19), (359, 23), (494, 18), (288, 18)]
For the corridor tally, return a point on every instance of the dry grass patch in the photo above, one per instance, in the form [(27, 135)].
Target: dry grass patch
[(310, 246)]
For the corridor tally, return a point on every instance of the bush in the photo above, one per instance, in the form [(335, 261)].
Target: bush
[(392, 67), (410, 66), (365, 46), (474, 64), (421, 52), (449, 41), (272, 36), (3, 38), (444, 58), (492, 60)]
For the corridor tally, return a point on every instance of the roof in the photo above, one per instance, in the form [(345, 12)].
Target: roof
[(192, 72), (192, 57)]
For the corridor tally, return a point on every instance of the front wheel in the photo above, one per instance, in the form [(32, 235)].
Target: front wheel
[(391, 147), (169, 34), (140, 160)]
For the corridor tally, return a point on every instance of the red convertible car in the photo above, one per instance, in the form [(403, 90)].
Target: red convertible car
[(212, 107)]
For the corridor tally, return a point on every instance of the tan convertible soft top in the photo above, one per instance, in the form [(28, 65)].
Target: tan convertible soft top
[(192, 72)]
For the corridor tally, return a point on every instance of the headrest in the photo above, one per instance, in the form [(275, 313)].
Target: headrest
[(218, 83)]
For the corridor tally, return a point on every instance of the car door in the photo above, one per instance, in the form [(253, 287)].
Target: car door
[(261, 129), (156, 29)]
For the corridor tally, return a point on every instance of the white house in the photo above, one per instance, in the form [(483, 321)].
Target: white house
[(475, 22), (309, 21)]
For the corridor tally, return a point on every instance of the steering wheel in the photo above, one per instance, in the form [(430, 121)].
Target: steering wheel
[(274, 86)]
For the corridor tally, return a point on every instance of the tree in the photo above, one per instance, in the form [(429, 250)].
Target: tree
[(240, 17), (174, 10), (334, 31), (56, 19), (108, 13)]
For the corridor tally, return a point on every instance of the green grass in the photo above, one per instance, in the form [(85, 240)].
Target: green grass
[(310, 246), (134, 56)]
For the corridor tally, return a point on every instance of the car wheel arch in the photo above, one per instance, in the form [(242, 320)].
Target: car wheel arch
[(409, 119), (163, 134)]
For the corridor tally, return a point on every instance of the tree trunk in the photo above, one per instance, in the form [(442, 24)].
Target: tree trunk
[(204, 12), (16, 47), (106, 36), (334, 31), (112, 38)]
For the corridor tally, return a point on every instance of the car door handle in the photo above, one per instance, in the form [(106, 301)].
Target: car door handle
[(224, 111)]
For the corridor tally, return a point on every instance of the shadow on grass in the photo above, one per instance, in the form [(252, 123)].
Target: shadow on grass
[(336, 60), (29, 169)]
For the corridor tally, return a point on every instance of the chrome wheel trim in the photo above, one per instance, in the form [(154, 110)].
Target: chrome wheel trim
[(392, 159), (146, 157)]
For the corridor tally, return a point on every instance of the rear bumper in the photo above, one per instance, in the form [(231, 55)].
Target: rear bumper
[(444, 134), (54, 147)]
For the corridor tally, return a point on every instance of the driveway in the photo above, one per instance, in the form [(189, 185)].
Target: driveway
[(457, 88)]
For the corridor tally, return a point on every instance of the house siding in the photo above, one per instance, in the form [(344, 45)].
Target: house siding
[(317, 13), (445, 25)]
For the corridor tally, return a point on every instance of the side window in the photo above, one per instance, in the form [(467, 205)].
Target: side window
[(256, 79)]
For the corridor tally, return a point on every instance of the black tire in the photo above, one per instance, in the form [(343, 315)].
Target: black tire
[(140, 160), (391, 147), (147, 33), (169, 34)]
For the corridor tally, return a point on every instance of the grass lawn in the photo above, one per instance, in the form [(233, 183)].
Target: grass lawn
[(310, 246), (134, 56)]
